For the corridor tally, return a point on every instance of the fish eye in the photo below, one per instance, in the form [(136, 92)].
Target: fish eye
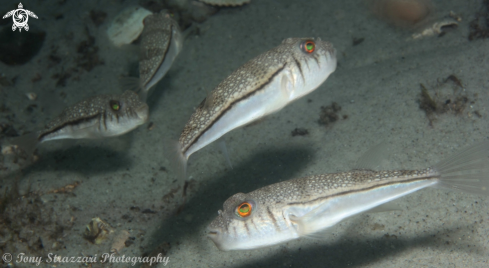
[(115, 105), (308, 46), (244, 209)]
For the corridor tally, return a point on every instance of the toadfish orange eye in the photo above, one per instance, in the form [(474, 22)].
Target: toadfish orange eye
[(244, 210), (308, 46)]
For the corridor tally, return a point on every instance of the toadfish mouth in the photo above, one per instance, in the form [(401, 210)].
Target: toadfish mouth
[(212, 233)]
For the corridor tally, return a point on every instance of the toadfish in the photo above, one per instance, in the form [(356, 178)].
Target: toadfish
[(161, 42), (302, 207), (260, 87), (101, 116)]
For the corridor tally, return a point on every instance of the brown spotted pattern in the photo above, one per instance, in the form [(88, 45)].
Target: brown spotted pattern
[(250, 77), (98, 106), (273, 198), (156, 39)]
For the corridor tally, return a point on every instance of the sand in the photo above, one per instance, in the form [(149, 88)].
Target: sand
[(128, 181)]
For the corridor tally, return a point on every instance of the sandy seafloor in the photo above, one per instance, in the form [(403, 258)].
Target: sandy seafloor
[(377, 84)]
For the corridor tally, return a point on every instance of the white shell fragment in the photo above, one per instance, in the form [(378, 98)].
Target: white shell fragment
[(8, 149), (455, 16), (127, 25), (31, 96), (226, 2), (435, 29)]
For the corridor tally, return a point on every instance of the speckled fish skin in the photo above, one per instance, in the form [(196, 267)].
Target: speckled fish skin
[(161, 42), (260, 87), (300, 207), (94, 118)]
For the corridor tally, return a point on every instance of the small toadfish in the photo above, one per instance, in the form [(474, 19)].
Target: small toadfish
[(262, 86), (96, 117), (161, 41), (301, 207)]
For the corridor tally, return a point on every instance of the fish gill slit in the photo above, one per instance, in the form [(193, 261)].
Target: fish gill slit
[(100, 122), (246, 227), (363, 190), (270, 214), (105, 120), (196, 138), (252, 222), (74, 122), (316, 58), (300, 67)]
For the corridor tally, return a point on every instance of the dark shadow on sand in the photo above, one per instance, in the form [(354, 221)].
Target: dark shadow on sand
[(273, 166), (359, 253), (262, 169), (86, 159)]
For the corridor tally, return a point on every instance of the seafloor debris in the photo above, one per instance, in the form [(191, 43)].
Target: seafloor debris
[(127, 25), (448, 96), (13, 158), (61, 78), (160, 251), (98, 17), (5, 82), (455, 16), (357, 41), (37, 77), (299, 132), (7, 130), (185, 12), (151, 125), (119, 241), (438, 28), (479, 27), (88, 53), (31, 96), (28, 225), (226, 2), (97, 231), (329, 114), (65, 189), (18, 49), (87, 59)]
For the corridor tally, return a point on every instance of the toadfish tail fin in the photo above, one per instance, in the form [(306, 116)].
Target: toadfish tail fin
[(222, 147), (130, 83), (178, 162), (26, 143), (467, 170)]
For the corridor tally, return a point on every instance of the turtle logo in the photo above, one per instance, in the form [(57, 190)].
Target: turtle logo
[(20, 17)]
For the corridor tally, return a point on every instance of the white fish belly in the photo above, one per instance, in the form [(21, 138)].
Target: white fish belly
[(83, 130), (166, 64), (266, 101), (338, 208), (314, 74)]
